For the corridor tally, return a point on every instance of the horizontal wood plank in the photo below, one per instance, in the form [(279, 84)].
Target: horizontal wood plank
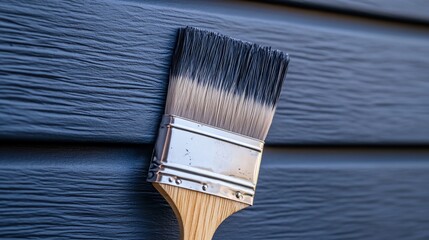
[(411, 10), (98, 71), (99, 192)]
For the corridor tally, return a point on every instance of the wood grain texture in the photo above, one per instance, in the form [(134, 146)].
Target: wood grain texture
[(99, 192), (413, 10), (199, 214), (97, 71)]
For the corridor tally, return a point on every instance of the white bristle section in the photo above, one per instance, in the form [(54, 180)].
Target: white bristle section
[(218, 108)]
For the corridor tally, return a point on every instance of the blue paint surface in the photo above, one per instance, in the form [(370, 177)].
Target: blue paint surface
[(64, 191), (97, 71)]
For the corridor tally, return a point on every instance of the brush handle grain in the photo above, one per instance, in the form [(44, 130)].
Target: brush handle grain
[(198, 214)]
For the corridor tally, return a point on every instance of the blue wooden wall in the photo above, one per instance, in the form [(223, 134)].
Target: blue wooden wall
[(82, 89)]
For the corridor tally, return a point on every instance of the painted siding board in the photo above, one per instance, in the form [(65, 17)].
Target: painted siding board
[(97, 71), (99, 192), (414, 10)]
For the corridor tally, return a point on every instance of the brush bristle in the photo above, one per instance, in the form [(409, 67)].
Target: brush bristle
[(225, 83)]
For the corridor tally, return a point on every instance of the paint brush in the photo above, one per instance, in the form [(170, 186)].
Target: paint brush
[(221, 100)]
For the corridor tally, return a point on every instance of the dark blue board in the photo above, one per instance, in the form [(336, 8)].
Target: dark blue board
[(97, 71), (413, 11), (100, 192)]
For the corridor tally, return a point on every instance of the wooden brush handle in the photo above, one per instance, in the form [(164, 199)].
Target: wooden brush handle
[(199, 214)]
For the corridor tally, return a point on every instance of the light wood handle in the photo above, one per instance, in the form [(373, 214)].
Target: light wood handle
[(199, 214)]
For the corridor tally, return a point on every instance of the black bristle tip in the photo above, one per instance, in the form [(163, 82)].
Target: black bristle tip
[(229, 64)]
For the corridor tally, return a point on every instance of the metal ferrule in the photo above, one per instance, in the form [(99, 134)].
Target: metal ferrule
[(198, 157)]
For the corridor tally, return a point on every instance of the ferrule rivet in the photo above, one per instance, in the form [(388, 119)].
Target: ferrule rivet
[(170, 179), (239, 195), (178, 181), (205, 187)]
